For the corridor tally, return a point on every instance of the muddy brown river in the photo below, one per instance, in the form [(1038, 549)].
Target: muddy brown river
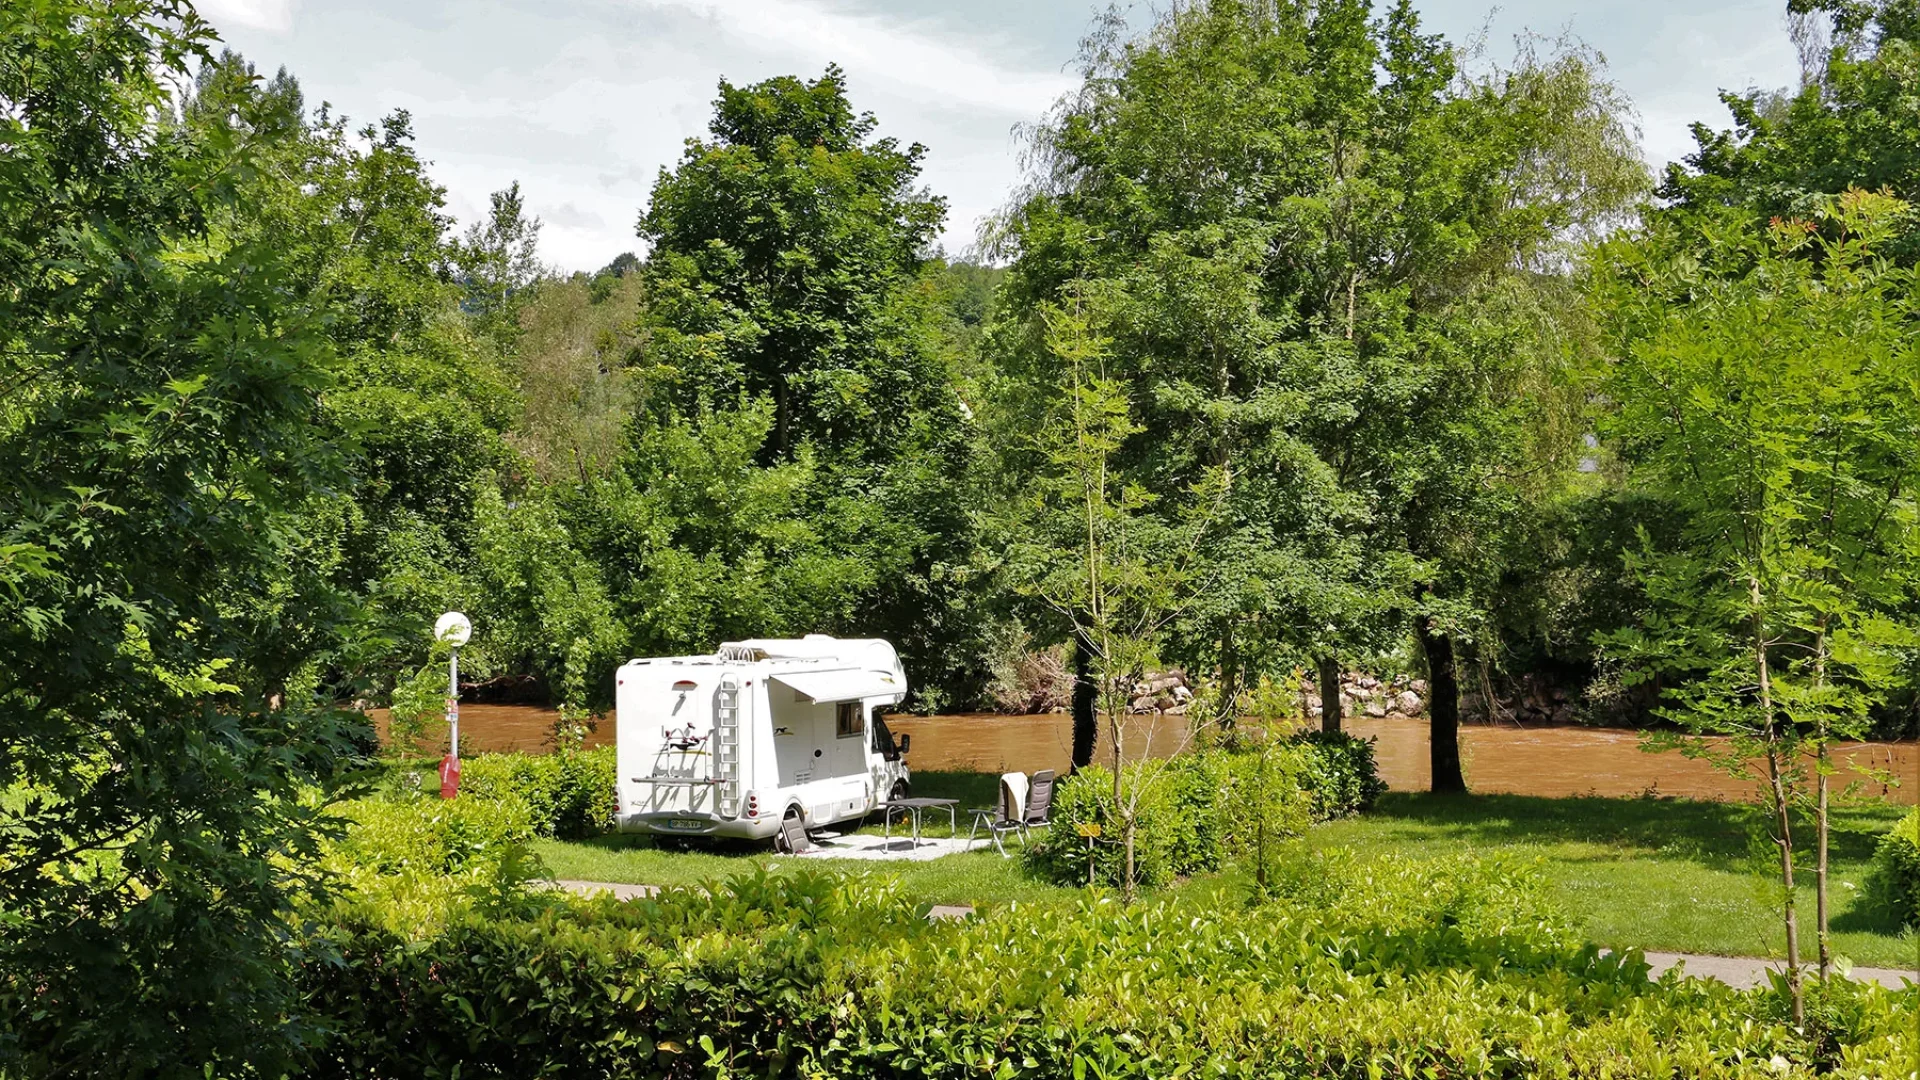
[(1551, 761)]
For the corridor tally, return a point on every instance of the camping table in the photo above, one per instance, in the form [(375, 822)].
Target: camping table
[(914, 808)]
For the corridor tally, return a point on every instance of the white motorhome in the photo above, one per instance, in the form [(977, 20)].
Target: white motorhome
[(735, 743)]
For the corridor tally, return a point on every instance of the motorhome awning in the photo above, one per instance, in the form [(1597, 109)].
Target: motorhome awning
[(845, 685)]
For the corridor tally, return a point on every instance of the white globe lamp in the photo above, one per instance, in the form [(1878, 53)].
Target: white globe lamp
[(453, 628)]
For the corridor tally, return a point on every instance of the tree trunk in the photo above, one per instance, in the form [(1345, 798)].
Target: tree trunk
[(1820, 817), (1820, 872), (1229, 679), (1085, 727), (1443, 710), (1329, 669), (1784, 841), (1782, 816)]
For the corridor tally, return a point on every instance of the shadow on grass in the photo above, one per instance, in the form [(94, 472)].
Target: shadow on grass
[(1713, 833)]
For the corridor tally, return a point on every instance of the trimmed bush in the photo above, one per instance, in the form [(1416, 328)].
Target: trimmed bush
[(1896, 870), (799, 974), (428, 835), (568, 794), (1339, 772)]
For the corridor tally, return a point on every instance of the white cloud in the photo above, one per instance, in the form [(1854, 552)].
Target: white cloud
[(273, 16), (880, 49)]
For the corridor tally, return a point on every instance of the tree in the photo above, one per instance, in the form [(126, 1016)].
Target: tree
[(789, 263), (1327, 252), (780, 254), (360, 231), (159, 436), (1850, 124), (498, 260), (1765, 390), (1120, 576)]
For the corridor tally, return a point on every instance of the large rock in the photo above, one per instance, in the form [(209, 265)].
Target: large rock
[(1409, 703), (1376, 709)]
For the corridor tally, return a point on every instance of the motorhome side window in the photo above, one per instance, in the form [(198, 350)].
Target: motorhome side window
[(849, 719)]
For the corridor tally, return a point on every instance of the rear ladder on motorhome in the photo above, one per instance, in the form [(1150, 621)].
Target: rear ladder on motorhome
[(726, 746)]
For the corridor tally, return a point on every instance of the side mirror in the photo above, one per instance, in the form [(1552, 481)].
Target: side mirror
[(906, 743)]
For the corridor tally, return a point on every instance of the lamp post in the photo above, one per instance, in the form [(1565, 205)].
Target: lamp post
[(453, 629)]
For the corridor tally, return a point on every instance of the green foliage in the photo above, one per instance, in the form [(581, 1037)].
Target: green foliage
[(1765, 395), (160, 438), (1896, 870), (424, 834), (1338, 772), (1849, 124), (574, 359), (792, 315), (1194, 813), (568, 794), (419, 702), (1378, 401), (1441, 969), (544, 606), (1085, 800), (498, 260)]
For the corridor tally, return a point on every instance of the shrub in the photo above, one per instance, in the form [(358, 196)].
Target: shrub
[(1060, 853), (799, 974), (1265, 806), (1896, 870), (569, 794), (1339, 773), (427, 835), (1196, 811)]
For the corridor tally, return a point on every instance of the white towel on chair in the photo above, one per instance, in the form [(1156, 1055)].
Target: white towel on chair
[(1013, 796)]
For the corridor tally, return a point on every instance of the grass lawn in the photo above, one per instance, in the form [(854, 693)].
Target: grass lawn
[(980, 877), (1666, 874)]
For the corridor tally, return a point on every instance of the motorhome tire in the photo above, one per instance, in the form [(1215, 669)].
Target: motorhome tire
[(899, 791)]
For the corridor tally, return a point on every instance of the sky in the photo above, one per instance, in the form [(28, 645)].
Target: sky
[(584, 101)]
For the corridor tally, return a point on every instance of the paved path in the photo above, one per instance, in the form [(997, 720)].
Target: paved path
[(1745, 972), (1742, 972)]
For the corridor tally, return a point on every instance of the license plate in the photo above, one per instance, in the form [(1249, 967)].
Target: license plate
[(685, 823)]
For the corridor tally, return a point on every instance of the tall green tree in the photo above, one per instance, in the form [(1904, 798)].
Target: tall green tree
[(789, 263), (161, 430), (499, 260), (1851, 123), (1330, 254), (1766, 391), (419, 388)]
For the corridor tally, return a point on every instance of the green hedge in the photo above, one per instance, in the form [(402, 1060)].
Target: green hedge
[(804, 975), (569, 794), (428, 835), (1896, 870)]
